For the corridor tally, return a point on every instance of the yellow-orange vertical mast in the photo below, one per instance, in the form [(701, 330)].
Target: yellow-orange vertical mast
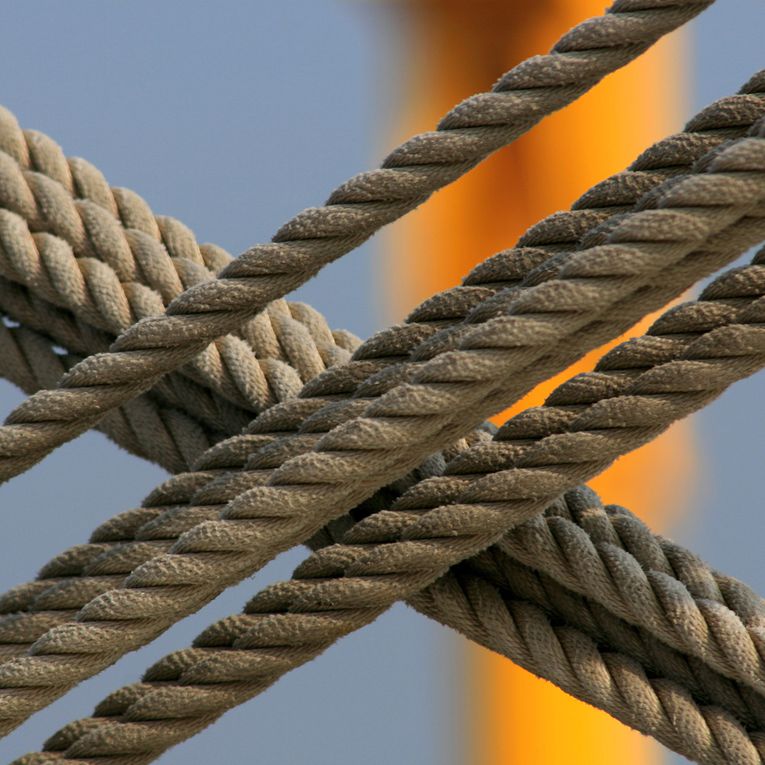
[(454, 48)]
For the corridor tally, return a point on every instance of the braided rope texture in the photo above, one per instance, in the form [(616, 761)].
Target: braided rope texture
[(145, 427), (466, 135), (101, 253), (392, 555), (45, 671), (41, 583), (728, 678)]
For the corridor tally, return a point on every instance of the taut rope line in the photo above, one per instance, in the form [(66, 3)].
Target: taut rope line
[(466, 135), (381, 461)]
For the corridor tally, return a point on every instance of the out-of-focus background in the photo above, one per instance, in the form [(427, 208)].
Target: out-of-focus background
[(232, 116)]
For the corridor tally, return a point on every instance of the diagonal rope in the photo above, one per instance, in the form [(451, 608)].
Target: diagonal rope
[(338, 590), (518, 586), (145, 427), (91, 632), (111, 274), (729, 117), (607, 679), (65, 330), (166, 611), (469, 133)]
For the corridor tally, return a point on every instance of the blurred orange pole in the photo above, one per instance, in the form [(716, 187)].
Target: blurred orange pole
[(454, 48)]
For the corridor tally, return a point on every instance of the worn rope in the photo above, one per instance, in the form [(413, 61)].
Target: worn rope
[(564, 606), (510, 581), (100, 649), (68, 196), (65, 330), (394, 554), (569, 658), (123, 636), (469, 133), (178, 695), (111, 275), (717, 305), (299, 615), (144, 427), (729, 117), (162, 425)]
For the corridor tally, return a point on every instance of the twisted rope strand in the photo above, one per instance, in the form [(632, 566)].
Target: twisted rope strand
[(65, 330), (609, 680), (610, 632), (110, 276), (666, 339), (133, 604), (729, 117), (67, 197), (471, 131), (165, 609), (393, 555), (145, 427), (179, 696)]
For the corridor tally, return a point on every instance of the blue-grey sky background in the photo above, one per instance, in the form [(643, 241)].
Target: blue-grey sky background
[(232, 116)]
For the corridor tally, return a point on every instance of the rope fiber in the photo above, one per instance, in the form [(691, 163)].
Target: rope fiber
[(377, 455)]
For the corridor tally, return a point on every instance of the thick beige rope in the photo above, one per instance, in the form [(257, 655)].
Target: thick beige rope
[(616, 683), (67, 196), (111, 275), (68, 332), (511, 582), (606, 628), (100, 649), (91, 591), (667, 338), (122, 722), (145, 426), (729, 117), (471, 131)]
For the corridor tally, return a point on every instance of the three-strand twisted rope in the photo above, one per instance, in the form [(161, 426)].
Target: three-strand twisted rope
[(126, 643), (315, 237), (394, 554)]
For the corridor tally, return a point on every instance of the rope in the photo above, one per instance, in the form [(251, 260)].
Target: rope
[(51, 569), (180, 686), (112, 274), (51, 677), (563, 606), (22, 306), (145, 426), (466, 135), (667, 338), (609, 680)]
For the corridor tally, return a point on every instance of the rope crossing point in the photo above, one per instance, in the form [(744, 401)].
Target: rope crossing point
[(354, 211), (729, 117), (461, 534), (212, 555)]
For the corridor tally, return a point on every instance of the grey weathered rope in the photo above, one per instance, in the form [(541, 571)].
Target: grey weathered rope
[(67, 196), (471, 131), (728, 117), (123, 635), (145, 426), (609, 631), (716, 306), (569, 658), (68, 332), (98, 651)]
